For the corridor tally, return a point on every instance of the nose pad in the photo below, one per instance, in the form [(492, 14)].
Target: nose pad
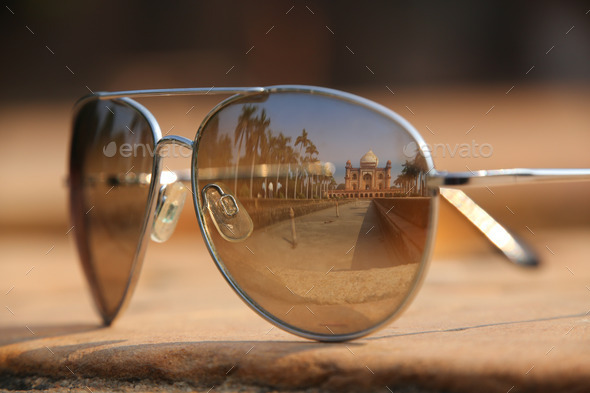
[(171, 200), (227, 213)]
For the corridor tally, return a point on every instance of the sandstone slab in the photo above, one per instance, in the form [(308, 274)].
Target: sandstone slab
[(479, 324)]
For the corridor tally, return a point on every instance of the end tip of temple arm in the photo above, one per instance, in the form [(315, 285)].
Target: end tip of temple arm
[(513, 248), (526, 257)]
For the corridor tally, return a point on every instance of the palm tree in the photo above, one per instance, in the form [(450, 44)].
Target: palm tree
[(311, 151), (243, 128), (219, 147), (327, 178), (401, 182), (333, 184), (420, 166), (261, 123), (411, 172), (290, 156), (267, 142), (279, 150), (302, 141)]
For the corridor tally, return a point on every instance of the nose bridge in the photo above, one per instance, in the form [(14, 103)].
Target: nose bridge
[(171, 190), (173, 140)]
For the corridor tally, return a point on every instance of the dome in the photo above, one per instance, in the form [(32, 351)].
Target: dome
[(369, 159)]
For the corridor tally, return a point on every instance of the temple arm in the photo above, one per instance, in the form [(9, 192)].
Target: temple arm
[(513, 248), (505, 176)]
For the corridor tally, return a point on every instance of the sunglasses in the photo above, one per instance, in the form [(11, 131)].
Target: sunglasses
[(318, 207)]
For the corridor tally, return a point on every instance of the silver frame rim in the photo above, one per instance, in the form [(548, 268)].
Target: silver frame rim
[(150, 202), (354, 99)]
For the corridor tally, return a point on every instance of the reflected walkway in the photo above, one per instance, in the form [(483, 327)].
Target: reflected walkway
[(344, 264), (353, 240)]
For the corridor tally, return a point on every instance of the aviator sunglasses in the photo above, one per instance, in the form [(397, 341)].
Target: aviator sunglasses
[(318, 207)]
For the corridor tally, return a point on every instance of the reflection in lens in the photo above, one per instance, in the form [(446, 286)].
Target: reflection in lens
[(110, 162), (341, 216)]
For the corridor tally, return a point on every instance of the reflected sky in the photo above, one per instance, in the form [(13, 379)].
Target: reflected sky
[(340, 130)]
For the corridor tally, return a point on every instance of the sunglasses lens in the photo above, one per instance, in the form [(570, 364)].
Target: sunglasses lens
[(335, 189), (110, 167)]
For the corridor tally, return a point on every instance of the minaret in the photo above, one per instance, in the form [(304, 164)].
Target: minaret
[(387, 180), (347, 185)]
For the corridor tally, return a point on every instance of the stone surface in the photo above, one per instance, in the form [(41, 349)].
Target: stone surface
[(478, 324)]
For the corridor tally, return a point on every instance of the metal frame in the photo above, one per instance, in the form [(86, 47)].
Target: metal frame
[(435, 181), (506, 176)]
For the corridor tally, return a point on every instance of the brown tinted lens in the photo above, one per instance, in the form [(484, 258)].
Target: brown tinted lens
[(110, 165), (341, 211)]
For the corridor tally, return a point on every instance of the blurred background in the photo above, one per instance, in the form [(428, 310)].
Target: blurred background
[(513, 75)]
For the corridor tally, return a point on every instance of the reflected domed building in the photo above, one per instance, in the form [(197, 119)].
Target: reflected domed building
[(366, 181)]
